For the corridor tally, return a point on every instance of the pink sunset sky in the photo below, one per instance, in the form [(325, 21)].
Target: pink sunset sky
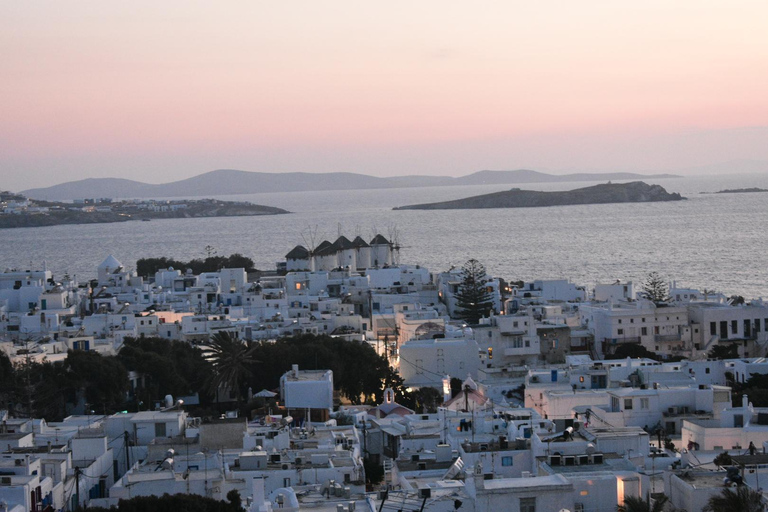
[(159, 91)]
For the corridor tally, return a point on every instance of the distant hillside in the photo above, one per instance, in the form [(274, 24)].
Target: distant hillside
[(230, 182), (634, 192)]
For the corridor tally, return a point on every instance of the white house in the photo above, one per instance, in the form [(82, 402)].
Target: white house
[(307, 393)]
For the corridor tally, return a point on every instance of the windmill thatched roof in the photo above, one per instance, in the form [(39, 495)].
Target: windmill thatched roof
[(298, 253), (379, 240)]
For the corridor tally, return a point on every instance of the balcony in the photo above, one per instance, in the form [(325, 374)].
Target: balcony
[(661, 338), (519, 351), (625, 339)]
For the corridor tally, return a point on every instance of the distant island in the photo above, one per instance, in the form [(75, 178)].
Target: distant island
[(741, 190), (634, 192), (231, 182), (17, 211)]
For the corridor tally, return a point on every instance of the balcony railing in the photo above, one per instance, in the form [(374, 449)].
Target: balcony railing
[(624, 339)]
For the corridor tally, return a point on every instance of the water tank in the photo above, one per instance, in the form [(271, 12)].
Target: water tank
[(168, 400)]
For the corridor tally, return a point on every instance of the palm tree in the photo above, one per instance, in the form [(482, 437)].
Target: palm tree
[(230, 358), (743, 499), (638, 504)]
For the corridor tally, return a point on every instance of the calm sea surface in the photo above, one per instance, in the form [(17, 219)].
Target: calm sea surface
[(717, 241)]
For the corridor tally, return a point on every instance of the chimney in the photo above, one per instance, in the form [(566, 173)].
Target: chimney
[(295, 370), (258, 492)]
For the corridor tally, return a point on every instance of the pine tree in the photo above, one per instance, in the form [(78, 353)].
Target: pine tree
[(473, 298), (655, 288)]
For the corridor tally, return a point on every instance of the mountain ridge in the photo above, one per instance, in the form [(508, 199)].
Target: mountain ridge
[(233, 182)]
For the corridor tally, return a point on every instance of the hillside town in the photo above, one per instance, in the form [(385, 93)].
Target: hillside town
[(345, 380), (18, 211)]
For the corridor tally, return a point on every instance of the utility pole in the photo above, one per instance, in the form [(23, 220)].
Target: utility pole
[(126, 438), (77, 487)]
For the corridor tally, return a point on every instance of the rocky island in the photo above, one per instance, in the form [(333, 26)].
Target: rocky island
[(741, 190), (634, 192), (17, 211)]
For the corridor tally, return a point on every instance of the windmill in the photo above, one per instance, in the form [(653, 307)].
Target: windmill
[(310, 237), (394, 244)]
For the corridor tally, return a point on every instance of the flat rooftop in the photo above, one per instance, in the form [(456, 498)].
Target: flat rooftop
[(306, 375)]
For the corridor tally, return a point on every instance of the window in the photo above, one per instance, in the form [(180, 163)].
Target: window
[(506, 461), (627, 404), (706, 370), (644, 331), (631, 320), (734, 326), (643, 319), (527, 504), (578, 507), (160, 430), (620, 332), (286, 482), (490, 352), (619, 320), (713, 328), (644, 403)]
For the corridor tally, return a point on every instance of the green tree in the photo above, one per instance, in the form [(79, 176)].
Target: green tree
[(638, 504), (234, 499), (655, 288), (102, 379), (212, 263), (358, 371), (742, 499), (473, 298), (427, 400), (230, 358), (51, 390), (178, 502), (7, 381), (756, 389), (730, 351), (722, 460), (633, 350), (168, 367)]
